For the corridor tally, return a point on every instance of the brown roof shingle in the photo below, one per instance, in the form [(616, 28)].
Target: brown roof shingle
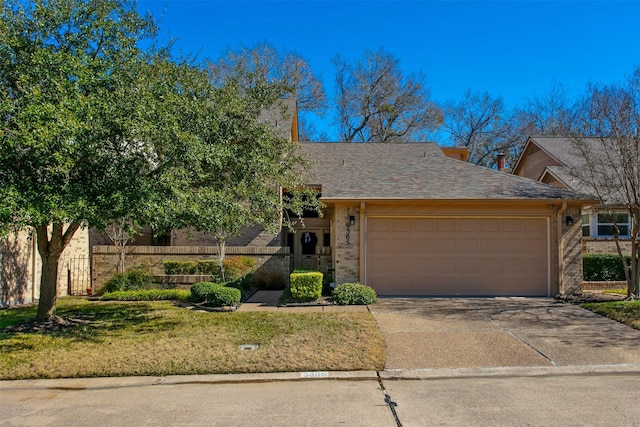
[(415, 171)]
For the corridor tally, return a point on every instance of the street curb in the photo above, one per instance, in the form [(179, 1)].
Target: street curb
[(121, 382), (508, 372)]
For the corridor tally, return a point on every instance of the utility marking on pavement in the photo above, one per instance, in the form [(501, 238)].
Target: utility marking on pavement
[(482, 313), (314, 374)]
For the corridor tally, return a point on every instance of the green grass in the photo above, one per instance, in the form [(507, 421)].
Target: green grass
[(159, 338), (627, 312), (615, 291)]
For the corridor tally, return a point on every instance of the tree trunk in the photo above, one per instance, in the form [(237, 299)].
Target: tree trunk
[(220, 246), (50, 251)]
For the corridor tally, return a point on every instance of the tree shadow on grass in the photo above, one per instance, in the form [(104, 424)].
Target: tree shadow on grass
[(93, 322)]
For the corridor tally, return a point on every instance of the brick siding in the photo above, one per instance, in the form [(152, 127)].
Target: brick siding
[(269, 260)]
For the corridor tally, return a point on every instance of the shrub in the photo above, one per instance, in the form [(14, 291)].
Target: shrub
[(354, 294), (172, 267), (269, 281), (235, 268), (118, 282), (223, 296), (133, 279), (148, 295), (208, 267), (180, 267), (603, 267), (200, 290), (306, 286)]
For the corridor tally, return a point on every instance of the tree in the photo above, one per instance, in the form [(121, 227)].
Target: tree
[(69, 150), (481, 123), (377, 102), (242, 166), (253, 67), (120, 231), (553, 113), (611, 160)]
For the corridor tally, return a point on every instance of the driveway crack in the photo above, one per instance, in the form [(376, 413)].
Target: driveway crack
[(510, 332)]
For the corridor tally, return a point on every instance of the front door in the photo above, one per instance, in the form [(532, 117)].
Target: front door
[(305, 249)]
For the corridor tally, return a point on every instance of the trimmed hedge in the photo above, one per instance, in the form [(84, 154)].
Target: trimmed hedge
[(306, 286), (234, 267), (216, 294), (354, 294), (603, 267), (148, 295), (200, 290), (223, 296)]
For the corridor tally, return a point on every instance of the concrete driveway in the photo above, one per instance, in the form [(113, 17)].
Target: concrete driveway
[(427, 333)]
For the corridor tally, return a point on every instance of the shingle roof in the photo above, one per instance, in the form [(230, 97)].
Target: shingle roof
[(564, 150), (415, 171)]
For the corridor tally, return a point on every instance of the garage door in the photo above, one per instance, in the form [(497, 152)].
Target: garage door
[(457, 256)]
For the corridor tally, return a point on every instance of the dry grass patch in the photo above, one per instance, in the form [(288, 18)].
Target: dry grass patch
[(159, 338)]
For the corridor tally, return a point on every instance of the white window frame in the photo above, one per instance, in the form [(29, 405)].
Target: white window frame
[(597, 224)]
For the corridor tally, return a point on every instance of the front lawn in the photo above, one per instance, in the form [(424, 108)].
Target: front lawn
[(627, 312), (159, 338)]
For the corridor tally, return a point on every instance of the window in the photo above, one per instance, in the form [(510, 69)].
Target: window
[(606, 223), (586, 226)]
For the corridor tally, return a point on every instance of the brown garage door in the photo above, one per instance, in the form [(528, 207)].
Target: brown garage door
[(457, 256)]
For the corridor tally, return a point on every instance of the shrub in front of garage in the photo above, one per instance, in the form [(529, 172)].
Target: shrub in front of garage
[(354, 294)]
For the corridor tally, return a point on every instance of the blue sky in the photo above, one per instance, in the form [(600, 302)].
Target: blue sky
[(512, 49)]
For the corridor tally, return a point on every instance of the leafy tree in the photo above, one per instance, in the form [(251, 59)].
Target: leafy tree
[(610, 164), (237, 178), (481, 123), (377, 102), (70, 153)]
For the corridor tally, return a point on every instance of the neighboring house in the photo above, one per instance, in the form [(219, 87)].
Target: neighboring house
[(20, 268), (406, 219), (550, 160)]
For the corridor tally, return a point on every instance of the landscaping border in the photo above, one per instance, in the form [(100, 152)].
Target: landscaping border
[(269, 259)]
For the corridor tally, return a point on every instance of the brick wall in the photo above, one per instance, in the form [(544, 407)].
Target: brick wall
[(347, 255), (571, 282), (269, 260), (604, 246)]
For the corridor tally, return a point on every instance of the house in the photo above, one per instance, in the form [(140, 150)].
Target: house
[(20, 268), (406, 219), (550, 160)]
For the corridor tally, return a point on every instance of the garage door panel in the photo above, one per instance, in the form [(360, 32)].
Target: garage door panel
[(457, 256)]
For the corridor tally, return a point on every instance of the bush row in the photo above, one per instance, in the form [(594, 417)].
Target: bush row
[(148, 295), (234, 268), (603, 267), (307, 286)]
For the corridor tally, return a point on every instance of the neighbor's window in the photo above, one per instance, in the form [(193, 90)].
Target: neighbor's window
[(586, 226), (606, 224)]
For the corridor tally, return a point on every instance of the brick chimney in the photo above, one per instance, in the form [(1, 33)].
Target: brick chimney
[(501, 160)]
